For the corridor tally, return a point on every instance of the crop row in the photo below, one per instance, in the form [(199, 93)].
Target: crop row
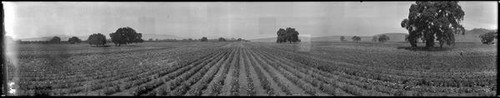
[(177, 76), (372, 83), (324, 65), (405, 73)]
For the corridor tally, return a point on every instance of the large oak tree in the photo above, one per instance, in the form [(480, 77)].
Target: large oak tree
[(125, 35), (287, 35), (434, 20)]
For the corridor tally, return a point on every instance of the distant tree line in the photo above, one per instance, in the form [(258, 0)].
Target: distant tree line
[(203, 39), (287, 35), (53, 40)]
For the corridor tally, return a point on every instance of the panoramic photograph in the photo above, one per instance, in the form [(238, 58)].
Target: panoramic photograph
[(349, 48)]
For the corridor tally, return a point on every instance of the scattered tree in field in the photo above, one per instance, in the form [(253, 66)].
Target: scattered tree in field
[(222, 39), (74, 40), (356, 38), (281, 35), (97, 39), (239, 39), (204, 39), (342, 38), (383, 38), (375, 38), (287, 35), (125, 35), (432, 20), (55, 39), (487, 38), (151, 39)]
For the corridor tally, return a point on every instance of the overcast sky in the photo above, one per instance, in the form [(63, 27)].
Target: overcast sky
[(222, 19)]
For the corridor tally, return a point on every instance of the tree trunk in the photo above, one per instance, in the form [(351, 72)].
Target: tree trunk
[(441, 44), (429, 42)]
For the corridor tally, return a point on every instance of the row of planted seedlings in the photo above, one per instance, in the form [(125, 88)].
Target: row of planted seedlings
[(74, 90), (164, 89), (151, 74), (439, 84), (83, 76), (308, 87), (235, 83), (407, 86), (59, 72), (334, 83), (110, 86), (351, 81), (201, 85), (164, 72), (198, 75), (452, 87), (394, 78), (175, 78), (105, 83), (371, 68), (265, 83), (246, 87), (214, 87), (323, 83), (250, 85), (409, 73), (275, 86), (82, 67), (73, 86), (414, 74), (280, 84), (365, 86), (225, 89)]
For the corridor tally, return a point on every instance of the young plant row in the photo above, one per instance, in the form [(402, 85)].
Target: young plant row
[(172, 82), (324, 65), (365, 86), (176, 77)]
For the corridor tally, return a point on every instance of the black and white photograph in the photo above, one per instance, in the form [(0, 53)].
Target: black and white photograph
[(243, 48)]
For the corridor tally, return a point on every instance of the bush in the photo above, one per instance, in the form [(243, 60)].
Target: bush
[(74, 40), (488, 38), (204, 39), (222, 39), (383, 38), (55, 39), (356, 38), (97, 39)]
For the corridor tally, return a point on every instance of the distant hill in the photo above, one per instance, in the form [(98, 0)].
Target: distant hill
[(66, 37), (47, 38), (469, 36), (315, 39), (395, 37), (472, 35), (160, 36)]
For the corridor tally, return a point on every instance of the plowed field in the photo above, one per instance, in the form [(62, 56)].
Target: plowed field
[(252, 69)]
